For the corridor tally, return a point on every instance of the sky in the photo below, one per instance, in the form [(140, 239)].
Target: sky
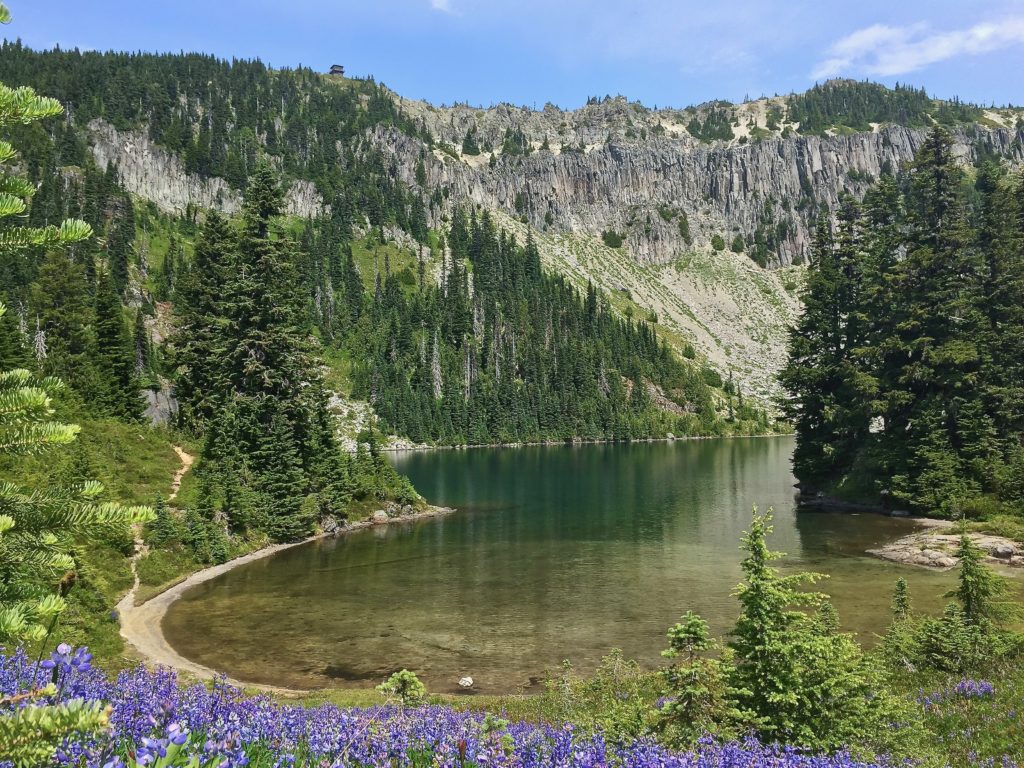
[(669, 53)]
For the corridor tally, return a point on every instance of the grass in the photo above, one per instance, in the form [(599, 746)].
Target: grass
[(161, 569), (134, 462), (1008, 526), (972, 731), (369, 256), (104, 576)]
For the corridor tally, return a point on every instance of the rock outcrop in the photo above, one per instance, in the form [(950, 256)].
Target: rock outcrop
[(936, 548), (151, 172), (642, 189)]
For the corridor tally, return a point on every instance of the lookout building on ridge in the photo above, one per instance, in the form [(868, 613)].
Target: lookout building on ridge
[(337, 69)]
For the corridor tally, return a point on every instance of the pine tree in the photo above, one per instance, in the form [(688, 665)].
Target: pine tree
[(795, 677), (204, 334), (694, 695), (826, 403), (980, 590), (14, 352), (121, 238), (141, 346), (280, 478), (164, 528), (115, 354)]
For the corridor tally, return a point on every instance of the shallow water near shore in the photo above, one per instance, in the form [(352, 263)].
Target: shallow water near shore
[(555, 552)]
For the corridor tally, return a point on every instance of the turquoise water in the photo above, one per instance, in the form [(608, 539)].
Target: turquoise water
[(556, 552)]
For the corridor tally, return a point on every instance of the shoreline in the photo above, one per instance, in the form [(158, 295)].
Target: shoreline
[(574, 442), (141, 625), (932, 546)]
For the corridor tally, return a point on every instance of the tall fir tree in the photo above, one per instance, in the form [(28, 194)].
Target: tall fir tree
[(115, 354)]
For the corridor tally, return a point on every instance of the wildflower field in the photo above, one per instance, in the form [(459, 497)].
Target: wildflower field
[(152, 720)]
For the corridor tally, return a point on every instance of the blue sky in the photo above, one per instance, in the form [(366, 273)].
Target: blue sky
[(662, 52)]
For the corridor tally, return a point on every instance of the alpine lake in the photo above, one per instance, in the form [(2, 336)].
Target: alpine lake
[(554, 553)]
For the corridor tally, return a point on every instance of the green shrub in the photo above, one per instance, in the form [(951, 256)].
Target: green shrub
[(1002, 524), (684, 228), (617, 700), (612, 238), (712, 377), (405, 687), (718, 243)]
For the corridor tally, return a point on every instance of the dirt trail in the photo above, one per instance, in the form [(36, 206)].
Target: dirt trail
[(140, 624), (187, 459)]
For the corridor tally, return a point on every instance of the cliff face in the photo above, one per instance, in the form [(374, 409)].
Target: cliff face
[(151, 172), (767, 191)]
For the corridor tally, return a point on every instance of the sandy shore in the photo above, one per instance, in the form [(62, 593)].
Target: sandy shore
[(141, 625)]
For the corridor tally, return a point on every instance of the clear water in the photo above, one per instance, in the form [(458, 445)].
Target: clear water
[(556, 552)]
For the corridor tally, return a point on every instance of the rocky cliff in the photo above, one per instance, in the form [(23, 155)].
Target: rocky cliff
[(618, 167), (151, 172)]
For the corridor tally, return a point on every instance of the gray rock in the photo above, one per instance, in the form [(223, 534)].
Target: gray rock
[(466, 682), (150, 171), (620, 183), (1003, 551), (161, 405), (380, 516)]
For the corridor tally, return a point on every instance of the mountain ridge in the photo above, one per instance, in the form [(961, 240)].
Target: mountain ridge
[(694, 216)]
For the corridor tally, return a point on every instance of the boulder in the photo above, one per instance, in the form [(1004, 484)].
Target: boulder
[(380, 516), (466, 682), (1003, 551)]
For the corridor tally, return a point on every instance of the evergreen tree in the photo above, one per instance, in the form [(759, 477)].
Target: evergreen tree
[(694, 697), (821, 376), (904, 372), (794, 676), (980, 590), (115, 354), (203, 337)]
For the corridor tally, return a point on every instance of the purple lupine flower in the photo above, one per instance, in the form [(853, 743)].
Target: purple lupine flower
[(219, 726)]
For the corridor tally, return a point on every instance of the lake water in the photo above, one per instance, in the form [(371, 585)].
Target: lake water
[(556, 552)]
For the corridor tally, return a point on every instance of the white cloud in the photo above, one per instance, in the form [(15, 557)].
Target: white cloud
[(445, 6), (886, 51)]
